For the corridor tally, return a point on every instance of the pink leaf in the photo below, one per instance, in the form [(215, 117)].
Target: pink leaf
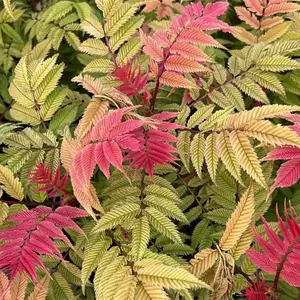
[(276, 242), (195, 36), (261, 261), (152, 48), (101, 160), (254, 6), (124, 128), (113, 154), (246, 16), (291, 278), (288, 174), (286, 152), (71, 212), (215, 9), (87, 162)]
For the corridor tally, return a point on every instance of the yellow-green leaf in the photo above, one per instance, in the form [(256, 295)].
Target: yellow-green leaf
[(239, 220), (11, 184)]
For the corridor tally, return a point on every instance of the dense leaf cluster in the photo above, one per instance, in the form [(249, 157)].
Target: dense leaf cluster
[(141, 145)]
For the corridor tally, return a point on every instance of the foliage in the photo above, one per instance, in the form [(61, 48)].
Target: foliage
[(279, 255), (142, 143)]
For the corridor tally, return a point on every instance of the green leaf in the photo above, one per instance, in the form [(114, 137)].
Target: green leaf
[(197, 152), (93, 47), (228, 156), (162, 224), (100, 65), (61, 288), (11, 184), (93, 27), (200, 115), (119, 18), (183, 146), (8, 7), (63, 118), (117, 216), (170, 277), (166, 206), (129, 50), (108, 7), (12, 33), (125, 32), (266, 79), (252, 89), (94, 251), (234, 96), (277, 63), (197, 235), (161, 192), (220, 215), (140, 237), (52, 103), (211, 155), (70, 272)]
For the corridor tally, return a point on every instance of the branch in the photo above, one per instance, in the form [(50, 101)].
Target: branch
[(55, 268), (192, 103), (280, 267), (30, 204), (238, 270), (109, 49)]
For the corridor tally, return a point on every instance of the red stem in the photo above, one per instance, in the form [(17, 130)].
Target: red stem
[(109, 49), (33, 4), (281, 265), (160, 73)]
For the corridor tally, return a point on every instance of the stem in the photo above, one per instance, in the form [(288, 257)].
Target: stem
[(109, 49), (192, 103), (29, 204), (54, 269), (160, 73), (282, 262), (111, 53), (238, 270), (39, 149), (122, 252), (154, 96), (280, 267), (189, 189)]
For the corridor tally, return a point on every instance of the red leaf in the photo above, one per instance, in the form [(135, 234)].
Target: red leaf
[(133, 82), (215, 9), (101, 160), (28, 239), (49, 178), (261, 261), (291, 278), (283, 252), (71, 212), (288, 174), (152, 48), (113, 154), (258, 291), (286, 152), (255, 6), (154, 150)]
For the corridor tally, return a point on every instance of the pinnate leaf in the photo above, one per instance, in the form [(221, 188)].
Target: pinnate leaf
[(239, 220)]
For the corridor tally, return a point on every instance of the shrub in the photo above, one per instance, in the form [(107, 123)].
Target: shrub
[(141, 145)]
